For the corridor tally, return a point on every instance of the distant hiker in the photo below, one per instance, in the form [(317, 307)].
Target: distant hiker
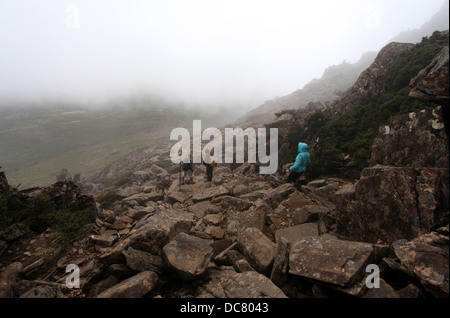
[(188, 169), (209, 161), (298, 169)]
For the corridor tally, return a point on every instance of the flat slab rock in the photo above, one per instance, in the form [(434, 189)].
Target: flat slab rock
[(210, 193), (133, 287), (330, 260), (226, 283)]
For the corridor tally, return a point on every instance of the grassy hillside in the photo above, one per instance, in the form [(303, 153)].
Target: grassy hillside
[(36, 142)]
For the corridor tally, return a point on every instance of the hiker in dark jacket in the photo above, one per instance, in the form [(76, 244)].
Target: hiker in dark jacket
[(188, 169), (298, 169), (209, 161)]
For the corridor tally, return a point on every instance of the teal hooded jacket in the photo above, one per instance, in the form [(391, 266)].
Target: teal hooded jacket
[(303, 159)]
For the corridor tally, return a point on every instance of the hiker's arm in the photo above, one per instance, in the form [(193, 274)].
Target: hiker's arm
[(298, 163)]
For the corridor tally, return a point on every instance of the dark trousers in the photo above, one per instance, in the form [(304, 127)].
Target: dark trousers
[(293, 176), (209, 172)]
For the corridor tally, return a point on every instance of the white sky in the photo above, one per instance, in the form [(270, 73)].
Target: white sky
[(232, 52)]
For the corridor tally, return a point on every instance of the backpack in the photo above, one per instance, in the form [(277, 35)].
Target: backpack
[(213, 161)]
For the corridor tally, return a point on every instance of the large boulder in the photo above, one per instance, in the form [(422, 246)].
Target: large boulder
[(133, 287), (142, 261), (426, 259), (298, 232), (226, 283), (276, 196), (331, 261), (257, 248), (188, 256), (254, 217), (393, 203)]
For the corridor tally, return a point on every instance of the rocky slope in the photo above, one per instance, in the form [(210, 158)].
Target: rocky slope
[(245, 235)]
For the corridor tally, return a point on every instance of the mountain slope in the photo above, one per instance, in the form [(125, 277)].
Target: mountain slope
[(335, 80), (36, 142), (338, 78), (347, 127)]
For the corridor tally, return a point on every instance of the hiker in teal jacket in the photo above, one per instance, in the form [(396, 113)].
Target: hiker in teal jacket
[(303, 159)]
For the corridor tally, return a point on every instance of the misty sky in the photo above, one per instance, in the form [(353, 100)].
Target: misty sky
[(228, 52)]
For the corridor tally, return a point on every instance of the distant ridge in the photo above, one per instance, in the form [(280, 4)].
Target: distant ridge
[(338, 78), (439, 22), (335, 80)]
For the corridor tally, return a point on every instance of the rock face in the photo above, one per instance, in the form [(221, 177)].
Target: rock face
[(392, 203), (413, 140), (371, 81), (404, 193)]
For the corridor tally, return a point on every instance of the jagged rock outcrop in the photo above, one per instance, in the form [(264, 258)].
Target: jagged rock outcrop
[(413, 140), (431, 84), (404, 193), (371, 82), (391, 203)]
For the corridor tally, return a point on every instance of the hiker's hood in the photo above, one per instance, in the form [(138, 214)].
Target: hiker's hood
[(302, 147)]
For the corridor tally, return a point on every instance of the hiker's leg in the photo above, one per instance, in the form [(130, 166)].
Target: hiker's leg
[(293, 177), (208, 173)]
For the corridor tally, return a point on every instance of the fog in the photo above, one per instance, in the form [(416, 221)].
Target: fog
[(207, 52)]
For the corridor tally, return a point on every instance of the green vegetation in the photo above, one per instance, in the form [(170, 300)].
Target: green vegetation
[(108, 199), (353, 132), (38, 214)]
